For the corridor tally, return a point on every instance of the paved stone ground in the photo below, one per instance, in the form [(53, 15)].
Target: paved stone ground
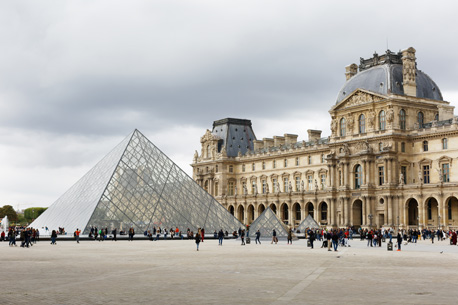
[(173, 272)]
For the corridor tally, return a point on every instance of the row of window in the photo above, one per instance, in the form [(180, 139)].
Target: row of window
[(276, 186), (382, 122), (444, 175), (274, 163)]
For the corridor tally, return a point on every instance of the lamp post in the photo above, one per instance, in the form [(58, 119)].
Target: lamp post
[(370, 220)]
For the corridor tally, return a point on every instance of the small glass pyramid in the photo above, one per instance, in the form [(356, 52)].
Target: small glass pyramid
[(266, 223), (308, 222), (136, 185)]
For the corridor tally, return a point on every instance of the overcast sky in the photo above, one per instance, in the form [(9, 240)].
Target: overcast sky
[(76, 77)]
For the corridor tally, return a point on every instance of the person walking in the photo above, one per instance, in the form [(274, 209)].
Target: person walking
[(258, 236), (220, 237), (12, 237), (274, 237), (335, 240), (198, 239), (53, 237), (242, 237), (399, 240), (77, 235), (329, 239), (311, 234), (290, 237), (114, 232)]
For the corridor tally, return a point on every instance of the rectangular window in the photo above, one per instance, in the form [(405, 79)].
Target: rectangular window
[(275, 185), (253, 187), (323, 181), (426, 174), (216, 168), (243, 167), (274, 164), (285, 185), (444, 143), (445, 172), (297, 161), (310, 159), (230, 188), (231, 168), (381, 175), (310, 182), (264, 186), (404, 174), (263, 165), (286, 162), (298, 184), (340, 178), (403, 147), (253, 167)]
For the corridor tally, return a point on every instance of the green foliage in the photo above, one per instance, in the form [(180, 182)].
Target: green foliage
[(8, 210), (31, 214)]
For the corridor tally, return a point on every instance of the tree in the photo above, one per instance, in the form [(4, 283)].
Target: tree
[(32, 213), (8, 210)]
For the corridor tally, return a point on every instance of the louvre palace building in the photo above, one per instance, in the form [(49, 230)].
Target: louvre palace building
[(388, 162)]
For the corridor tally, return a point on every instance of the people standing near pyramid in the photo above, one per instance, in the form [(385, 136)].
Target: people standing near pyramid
[(274, 237), (258, 236), (198, 238), (114, 232), (96, 233), (220, 237), (53, 237), (202, 234), (77, 235), (290, 237)]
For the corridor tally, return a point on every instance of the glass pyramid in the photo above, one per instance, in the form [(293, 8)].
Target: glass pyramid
[(308, 222), (136, 185), (266, 223)]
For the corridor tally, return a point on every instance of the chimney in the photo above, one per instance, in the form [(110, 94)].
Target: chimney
[(268, 142), (290, 138), (279, 140), (314, 134), (351, 71), (258, 144), (409, 69)]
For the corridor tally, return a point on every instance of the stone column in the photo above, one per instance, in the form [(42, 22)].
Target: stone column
[(333, 211), (368, 171), (390, 210), (364, 211), (290, 214), (369, 210), (346, 210), (385, 211), (385, 169), (364, 172)]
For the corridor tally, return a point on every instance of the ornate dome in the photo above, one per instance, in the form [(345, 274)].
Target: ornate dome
[(384, 75)]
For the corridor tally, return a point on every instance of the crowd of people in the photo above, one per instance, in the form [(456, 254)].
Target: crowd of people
[(330, 238)]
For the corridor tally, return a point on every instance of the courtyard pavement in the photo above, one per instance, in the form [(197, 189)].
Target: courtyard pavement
[(173, 272)]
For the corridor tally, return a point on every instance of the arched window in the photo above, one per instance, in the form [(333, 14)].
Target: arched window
[(425, 145), (381, 120), (436, 117), (362, 124), (420, 119), (342, 127), (358, 176), (402, 119)]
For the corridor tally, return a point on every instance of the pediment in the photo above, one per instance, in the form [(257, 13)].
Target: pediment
[(358, 97)]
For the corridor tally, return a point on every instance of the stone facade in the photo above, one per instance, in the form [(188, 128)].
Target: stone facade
[(388, 162)]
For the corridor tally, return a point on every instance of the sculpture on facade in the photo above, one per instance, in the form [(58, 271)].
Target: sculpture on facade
[(401, 179), (290, 187), (302, 186), (196, 155)]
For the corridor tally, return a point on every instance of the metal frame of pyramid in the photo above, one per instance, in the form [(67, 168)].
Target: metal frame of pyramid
[(266, 223), (308, 222), (136, 185)]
